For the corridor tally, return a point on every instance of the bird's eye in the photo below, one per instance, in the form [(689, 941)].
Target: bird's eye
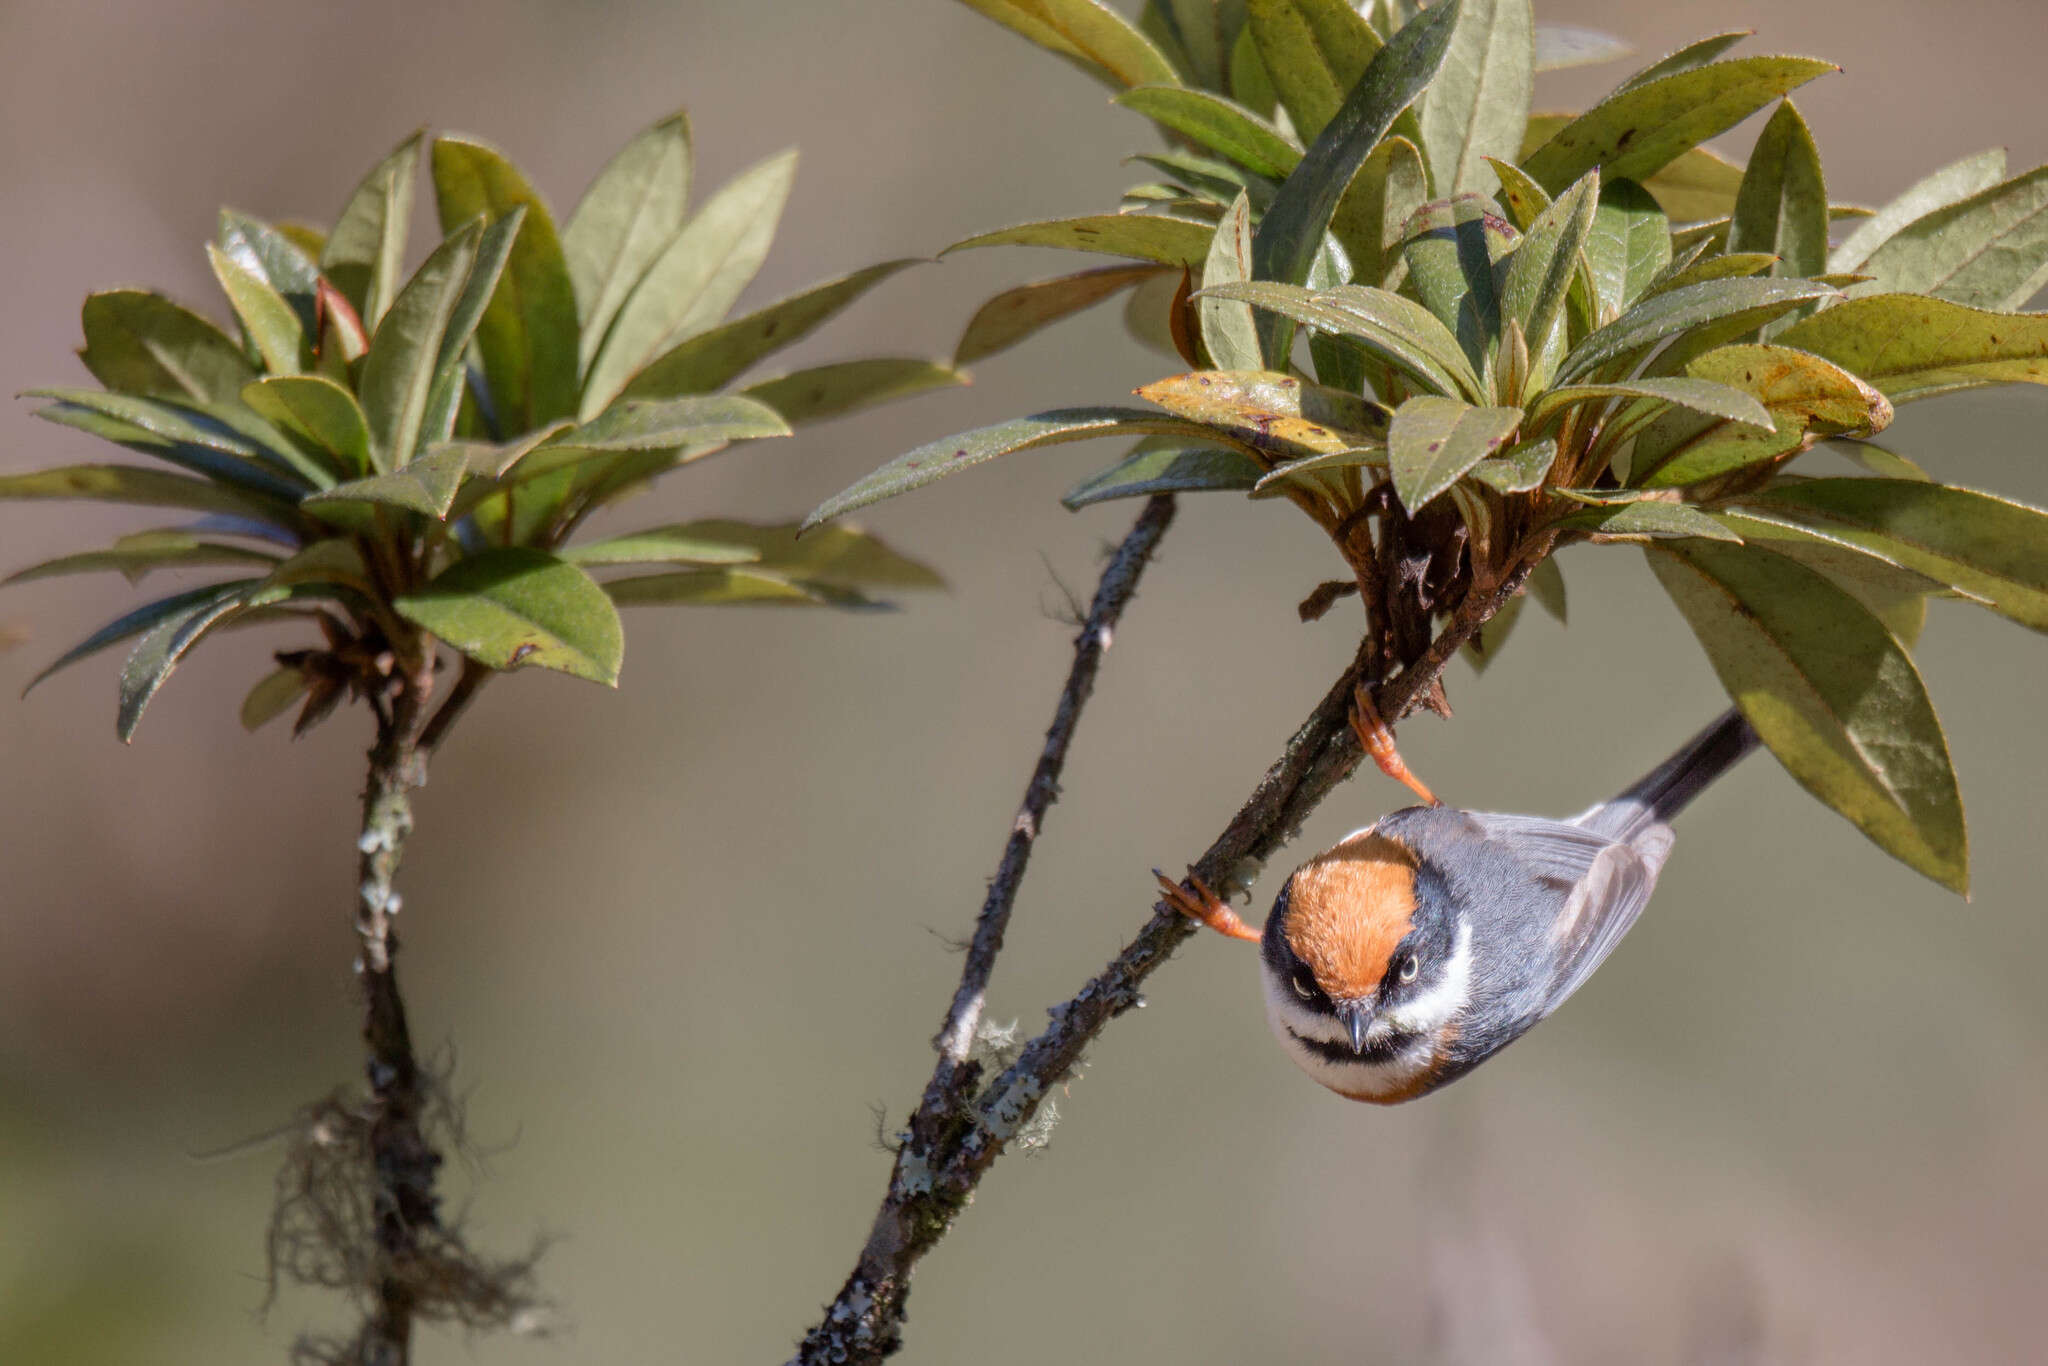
[(1303, 989), (1410, 966)]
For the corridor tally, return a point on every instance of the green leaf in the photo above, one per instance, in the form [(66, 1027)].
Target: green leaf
[(1291, 233), (1385, 192), (1688, 58), (1987, 251), (937, 459), (451, 364), (687, 543), (337, 560), (1312, 470), (1626, 248), (1560, 47), (1275, 415), (1478, 104), (702, 363), (1702, 267), (629, 213), (267, 320), (1655, 520), (1802, 393), (1833, 695), (136, 556), (527, 336), (1910, 347), (1711, 397), (142, 619), (1015, 314), (1952, 183), (426, 485), (365, 254), (1992, 550), (1633, 134), (320, 413), (142, 488), (1700, 183), (516, 606), (1142, 237), (1229, 333), (1314, 52), (731, 587), (490, 460), (1782, 209), (398, 373), (1093, 36), (1454, 249), (165, 644), (1519, 470), (1541, 270), (827, 391), (840, 556), (695, 280), (1211, 181), (1224, 127), (1743, 303), (1396, 329), (1522, 197), (141, 343), (272, 697), (1434, 441), (1171, 468), (272, 257), (192, 438), (1872, 458), (664, 424), (1250, 85)]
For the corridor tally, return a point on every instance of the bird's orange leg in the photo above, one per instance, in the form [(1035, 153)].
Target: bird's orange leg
[(1378, 740), (1195, 901)]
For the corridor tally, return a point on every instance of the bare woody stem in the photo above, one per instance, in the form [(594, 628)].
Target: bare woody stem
[(404, 1162), (958, 1132)]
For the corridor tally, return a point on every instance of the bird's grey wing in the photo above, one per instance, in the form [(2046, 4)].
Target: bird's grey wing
[(1606, 885)]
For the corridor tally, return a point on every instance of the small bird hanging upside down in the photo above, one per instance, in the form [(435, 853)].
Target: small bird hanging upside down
[(1422, 945)]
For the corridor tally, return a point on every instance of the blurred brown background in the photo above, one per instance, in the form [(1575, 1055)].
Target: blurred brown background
[(683, 937)]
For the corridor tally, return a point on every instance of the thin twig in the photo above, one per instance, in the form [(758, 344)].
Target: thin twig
[(472, 677), (950, 1146)]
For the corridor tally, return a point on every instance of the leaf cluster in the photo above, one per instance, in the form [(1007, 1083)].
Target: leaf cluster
[(1460, 336), (401, 458)]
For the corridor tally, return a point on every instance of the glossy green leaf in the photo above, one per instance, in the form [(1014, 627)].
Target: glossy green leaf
[(472, 306), (827, 391), (1738, 302), (516, 606), (1635, 133), (134, 623), (1710, 397), (136, 556), (1540, 272), (141, 343), (365, 254), (527, 336), (1993, 550), (1519, 469), (1219, 124), (1559, 47), (1478, 104), (320, 413), (937, 459), (1986, 251), (1833, 695), (1142, 237), (166, 644), (1169, 468), (1291, 233), (1803, 394), (398, 373), (695, 280), (1276, 415), (1910, 347), (272, 697), (733, 587), (711, 358), (1628, 245), (143, 488), (1016, 314), (426, 485), (272, 257), (1091, 34), (1400, 331), (269, 323), (1650, 519), (629, 213), (1314, 51), (192, 438), (1433, 441), (1229, 332), (1782, 209), (1957, 181)]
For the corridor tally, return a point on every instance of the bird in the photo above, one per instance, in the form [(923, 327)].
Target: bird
[(1420, 946)]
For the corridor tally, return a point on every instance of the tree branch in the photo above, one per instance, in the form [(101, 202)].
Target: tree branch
[(954, 1138)]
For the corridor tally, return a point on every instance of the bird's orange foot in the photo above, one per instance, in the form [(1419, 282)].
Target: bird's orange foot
[(1195, 901), (1378, 741)]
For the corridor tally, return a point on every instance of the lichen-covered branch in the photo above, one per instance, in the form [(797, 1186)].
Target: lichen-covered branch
[(954, 1138)]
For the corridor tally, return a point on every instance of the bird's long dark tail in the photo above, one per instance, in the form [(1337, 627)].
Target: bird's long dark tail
[(1667, 789)]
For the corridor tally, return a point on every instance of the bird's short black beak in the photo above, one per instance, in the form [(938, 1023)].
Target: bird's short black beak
[(1357, 1017)]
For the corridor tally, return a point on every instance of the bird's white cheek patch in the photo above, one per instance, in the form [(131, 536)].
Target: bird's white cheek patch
[(1442, 1003)]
